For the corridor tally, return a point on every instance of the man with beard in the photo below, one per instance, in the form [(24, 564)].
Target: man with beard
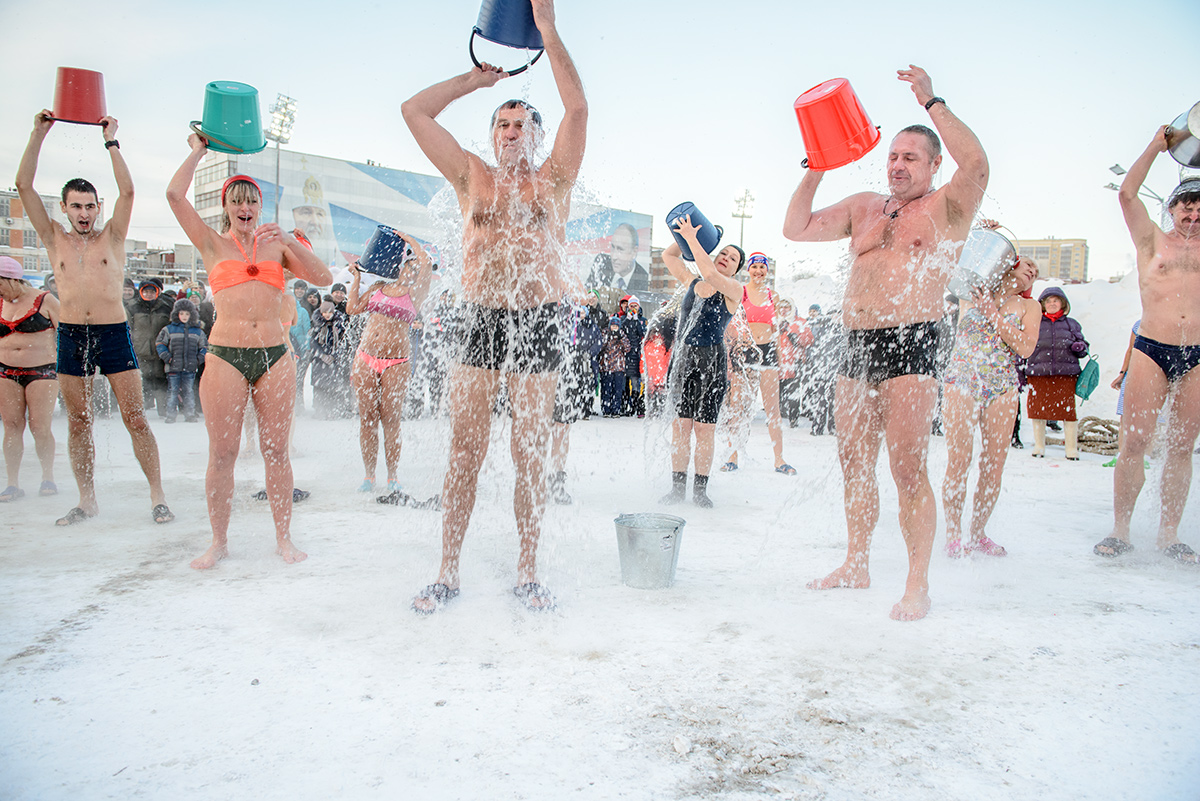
[(903, 246), (89, 266), (513, 275)]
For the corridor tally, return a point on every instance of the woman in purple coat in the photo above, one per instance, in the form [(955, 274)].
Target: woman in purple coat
[(1052, 371)]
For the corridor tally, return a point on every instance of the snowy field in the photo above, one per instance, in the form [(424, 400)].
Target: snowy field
[(1047, 674)]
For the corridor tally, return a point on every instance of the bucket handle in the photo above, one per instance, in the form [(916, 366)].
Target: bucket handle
[(206, 138), (510, 73)]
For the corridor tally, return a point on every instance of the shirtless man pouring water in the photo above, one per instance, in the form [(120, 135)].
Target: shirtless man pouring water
[(514, 225), (89, 269), (1165, 356), (904, 245)]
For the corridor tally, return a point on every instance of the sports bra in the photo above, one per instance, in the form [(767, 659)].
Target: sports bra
[(759, 314), (400, 308), (32, 323), (231, 273)]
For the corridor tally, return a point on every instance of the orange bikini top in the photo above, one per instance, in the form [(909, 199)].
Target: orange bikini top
[(231, 273)]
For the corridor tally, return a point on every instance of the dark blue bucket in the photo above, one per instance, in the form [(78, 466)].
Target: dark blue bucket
[(509, 23), (384, 253), (709, 235)]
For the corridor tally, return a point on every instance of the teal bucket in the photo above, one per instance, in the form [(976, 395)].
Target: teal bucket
[(232, 122)]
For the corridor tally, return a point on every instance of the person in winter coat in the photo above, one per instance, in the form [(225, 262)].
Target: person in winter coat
[(148, 313), (1052, 371), (330, 376), (633, 326), (181, 347), (612, 368)]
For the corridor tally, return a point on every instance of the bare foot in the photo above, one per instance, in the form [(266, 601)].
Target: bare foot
[(214, 554), (911, 607), (846, 576), (290, 553)]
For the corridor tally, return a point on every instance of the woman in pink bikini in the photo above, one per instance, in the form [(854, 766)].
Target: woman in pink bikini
[(758, 302), (382, 365)]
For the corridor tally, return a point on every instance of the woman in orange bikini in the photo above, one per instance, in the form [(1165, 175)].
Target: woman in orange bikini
[(381, 365), (759, 304), (246, 345)]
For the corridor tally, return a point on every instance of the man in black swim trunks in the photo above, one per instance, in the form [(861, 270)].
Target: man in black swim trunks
[(514, 227), (904, 245), (1165, 357), (89, 270)]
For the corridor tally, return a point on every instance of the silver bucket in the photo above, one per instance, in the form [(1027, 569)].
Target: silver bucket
[(985, 258), (649, 547)]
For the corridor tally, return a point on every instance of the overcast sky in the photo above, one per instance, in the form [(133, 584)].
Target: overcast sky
[(688, 101)]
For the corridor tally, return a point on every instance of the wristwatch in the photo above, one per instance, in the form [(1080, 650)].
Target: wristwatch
[(933, 100), (112, 143)]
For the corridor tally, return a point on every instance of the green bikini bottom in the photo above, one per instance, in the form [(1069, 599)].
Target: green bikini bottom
[(252, 363)]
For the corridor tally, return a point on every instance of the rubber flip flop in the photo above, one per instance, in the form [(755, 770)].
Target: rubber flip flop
[(72, 517), (162, 514), (528, 593), (786, 469), (48, 488), (729, 467), (439, 593), (1180, 553), (11, 494), (1116, 546)]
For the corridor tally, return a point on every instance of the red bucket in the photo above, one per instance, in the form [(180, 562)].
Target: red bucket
[(835, 126), (79, 96)]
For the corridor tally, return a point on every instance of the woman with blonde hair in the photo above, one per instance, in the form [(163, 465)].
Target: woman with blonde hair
[(383, 362), (247, 356)]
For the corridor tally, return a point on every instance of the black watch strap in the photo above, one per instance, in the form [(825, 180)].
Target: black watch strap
[(113, 143), (933, 100)]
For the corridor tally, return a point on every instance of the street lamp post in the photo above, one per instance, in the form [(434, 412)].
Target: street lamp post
[(743, 209), (283, 117), (1145, 191)]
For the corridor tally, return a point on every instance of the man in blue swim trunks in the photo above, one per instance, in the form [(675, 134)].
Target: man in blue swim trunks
[(903, 246), (89, 269), (1165, 355)]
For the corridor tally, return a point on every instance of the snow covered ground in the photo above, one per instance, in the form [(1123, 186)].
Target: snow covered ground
[(1050, 673)]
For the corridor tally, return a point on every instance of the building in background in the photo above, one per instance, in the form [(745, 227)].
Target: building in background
[(338, 205), (1065, 259), (20, 241)]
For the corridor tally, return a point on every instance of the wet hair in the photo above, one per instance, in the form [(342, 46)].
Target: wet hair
[(931, 138), (534, 114), (1188, 191), (237, 192), (741, 256), (79, 185)]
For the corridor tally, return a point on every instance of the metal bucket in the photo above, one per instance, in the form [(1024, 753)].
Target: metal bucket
[(648, 543), (1183, 137), (985, 258)]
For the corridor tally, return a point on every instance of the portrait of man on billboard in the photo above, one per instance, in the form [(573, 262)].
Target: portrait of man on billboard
[(312, 218), (619, 268)]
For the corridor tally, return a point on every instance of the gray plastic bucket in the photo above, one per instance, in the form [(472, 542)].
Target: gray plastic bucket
[(985, 258), (648, 543)]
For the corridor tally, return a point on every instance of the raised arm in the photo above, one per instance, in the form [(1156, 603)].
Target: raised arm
[(731, 288), (200, 235), (965, 190), (567, 154), (418, 287), (356, 299), (34, 209), (1137, 219), (420, 114), (122, 213), (802, 224)]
